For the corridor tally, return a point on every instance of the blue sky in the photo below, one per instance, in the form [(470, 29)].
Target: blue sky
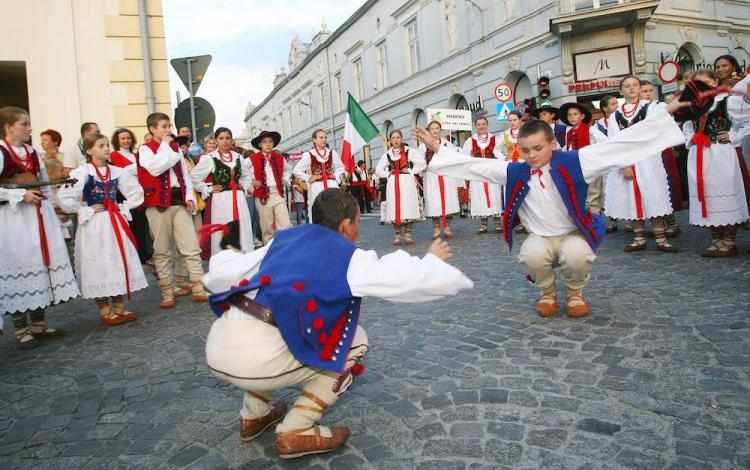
[(248, 39)]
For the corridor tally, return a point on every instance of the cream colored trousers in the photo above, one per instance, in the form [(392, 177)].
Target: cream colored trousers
[(595, 196), (253, 356), (273, 215), (572, 253), (174, 228)]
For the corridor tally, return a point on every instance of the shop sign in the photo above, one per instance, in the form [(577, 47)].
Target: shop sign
[(478, 105), (451, 119), (594, 85), (602, 63)]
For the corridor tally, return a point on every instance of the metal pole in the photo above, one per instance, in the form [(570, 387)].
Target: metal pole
[(192, 102), (146, 51)]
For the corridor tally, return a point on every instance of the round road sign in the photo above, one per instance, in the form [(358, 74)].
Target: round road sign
[(503, 92), (669, 71)]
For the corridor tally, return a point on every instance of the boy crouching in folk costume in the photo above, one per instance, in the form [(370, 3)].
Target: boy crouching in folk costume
[(301, 327), (548, 194)]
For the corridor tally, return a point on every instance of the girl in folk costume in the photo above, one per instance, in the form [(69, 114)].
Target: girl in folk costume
[(35, 271), (510, 138), (441, 193), (717, 192), (106, 257), (225, 198), (485, 197), (641, 191), (607, 105), (399, 165), (320, 167), (122, 156), (670, 165), (730, 73)]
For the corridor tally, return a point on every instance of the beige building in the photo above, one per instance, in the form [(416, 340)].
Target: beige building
[(72, 61)]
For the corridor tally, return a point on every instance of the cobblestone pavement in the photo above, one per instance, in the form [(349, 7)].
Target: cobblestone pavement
[(656, 377)]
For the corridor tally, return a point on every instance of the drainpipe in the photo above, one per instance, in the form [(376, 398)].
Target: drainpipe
[(146, 50)]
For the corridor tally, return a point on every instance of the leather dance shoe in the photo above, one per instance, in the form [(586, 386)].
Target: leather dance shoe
[(252, 428), (291, 444)]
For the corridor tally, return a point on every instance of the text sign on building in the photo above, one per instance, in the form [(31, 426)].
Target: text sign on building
[(604, 63), (451, 119)]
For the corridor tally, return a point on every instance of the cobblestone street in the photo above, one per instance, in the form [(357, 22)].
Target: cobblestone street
[(658, 375)]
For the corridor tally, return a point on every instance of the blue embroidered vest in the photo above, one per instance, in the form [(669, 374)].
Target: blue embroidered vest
[(311, 301), (624, 123), (565, 170), (560, 132), (93, 191), (601, 128)]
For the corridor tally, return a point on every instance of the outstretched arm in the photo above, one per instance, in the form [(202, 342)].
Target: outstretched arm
[(450, 162), (400, 277), (630, 146)]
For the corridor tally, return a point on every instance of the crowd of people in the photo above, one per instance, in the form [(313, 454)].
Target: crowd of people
[(562, 176)]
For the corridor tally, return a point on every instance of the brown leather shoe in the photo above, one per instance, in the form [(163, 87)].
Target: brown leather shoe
[(199, 294), (575, 304), (252, 428), (291, 445), (635, 246), (666, 247), (182, 291), (547, 305), (167, 302)]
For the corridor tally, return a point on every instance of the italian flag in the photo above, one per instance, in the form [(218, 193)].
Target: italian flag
[(358, 130)]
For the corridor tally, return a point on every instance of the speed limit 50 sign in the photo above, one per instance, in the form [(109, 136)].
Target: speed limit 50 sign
[(503, 92)]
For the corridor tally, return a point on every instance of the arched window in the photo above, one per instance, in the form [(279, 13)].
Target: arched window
[(387, 128), (688, 56)]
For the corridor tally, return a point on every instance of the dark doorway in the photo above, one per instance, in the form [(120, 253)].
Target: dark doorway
[(14, 90)]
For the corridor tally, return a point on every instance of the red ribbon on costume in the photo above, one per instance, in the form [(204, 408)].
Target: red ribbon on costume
[(233, 185), (119, 224), (441, 184), (514, 157), (206, 230), (323, 174), (637, 194), (29, 165), (702, 141), (539, 173)]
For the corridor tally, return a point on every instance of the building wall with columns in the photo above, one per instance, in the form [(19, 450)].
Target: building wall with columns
[(467, 48), (83, 62)]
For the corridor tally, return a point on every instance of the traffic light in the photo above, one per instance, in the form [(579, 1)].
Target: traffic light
[(545, 94)]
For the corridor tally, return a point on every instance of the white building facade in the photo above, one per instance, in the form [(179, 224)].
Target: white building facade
[(400, 58)]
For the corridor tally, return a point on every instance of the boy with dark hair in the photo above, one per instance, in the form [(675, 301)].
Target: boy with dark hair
[(287, 319), (547, 193), (170, 204)]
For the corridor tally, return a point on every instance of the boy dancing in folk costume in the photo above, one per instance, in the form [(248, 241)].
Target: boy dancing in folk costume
[(320, 167), (107, 263), (717, 192), (302, 326), (170, 204), (485, 198), (547, 193), (441, 193), (400, 164), (641, 191), (35, 271), (271, 174)]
